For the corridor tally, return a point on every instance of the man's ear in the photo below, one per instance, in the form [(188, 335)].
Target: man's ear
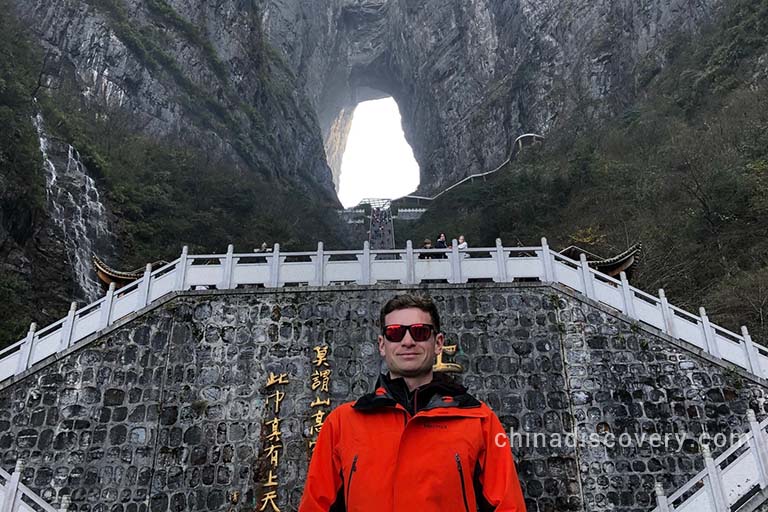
[(439, 342), (381, 346)]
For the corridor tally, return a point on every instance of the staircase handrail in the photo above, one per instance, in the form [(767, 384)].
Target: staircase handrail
[(713, 491), (14, 491), (367, 266)]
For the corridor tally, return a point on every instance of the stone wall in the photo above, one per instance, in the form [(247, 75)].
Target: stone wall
[(631, 383), (167, 411)]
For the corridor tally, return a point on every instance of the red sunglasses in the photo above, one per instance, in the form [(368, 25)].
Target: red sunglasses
[(419, 332)]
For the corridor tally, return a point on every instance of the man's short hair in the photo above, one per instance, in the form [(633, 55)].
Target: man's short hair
[(407, 300)]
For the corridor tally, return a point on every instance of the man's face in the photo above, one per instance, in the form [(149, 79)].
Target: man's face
[(408, 358)]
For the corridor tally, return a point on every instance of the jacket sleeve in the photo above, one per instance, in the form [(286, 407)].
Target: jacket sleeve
[(497, 484), (323, 490)]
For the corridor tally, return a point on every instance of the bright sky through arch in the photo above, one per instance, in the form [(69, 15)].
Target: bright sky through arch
[(377, 161)]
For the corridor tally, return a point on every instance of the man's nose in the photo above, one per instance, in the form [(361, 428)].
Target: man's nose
[(407, 339)]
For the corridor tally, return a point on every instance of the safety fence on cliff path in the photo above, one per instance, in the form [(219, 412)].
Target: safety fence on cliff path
[(365, 267)]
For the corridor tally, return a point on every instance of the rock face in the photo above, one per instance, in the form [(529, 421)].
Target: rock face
[(470, 76), (199, 72), (169, 408)]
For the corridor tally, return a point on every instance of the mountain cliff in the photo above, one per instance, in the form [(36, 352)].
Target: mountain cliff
[(207, 123), (255, 80), (683, 169), (470, 76), (204, 75)]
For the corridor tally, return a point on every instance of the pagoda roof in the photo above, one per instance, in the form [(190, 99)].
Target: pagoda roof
[(613, 266), (108, 275)]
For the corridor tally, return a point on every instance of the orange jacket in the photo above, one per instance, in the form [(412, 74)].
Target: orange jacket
[(374, 456)]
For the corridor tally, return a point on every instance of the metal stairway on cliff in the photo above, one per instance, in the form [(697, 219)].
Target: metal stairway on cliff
[(522, 141), (381, 230)]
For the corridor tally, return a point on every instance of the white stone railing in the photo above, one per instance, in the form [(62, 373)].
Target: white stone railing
[(411, 211), (728, 482), (367, 267), (17, 497)]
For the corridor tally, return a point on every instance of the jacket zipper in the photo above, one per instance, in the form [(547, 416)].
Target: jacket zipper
[(406, 414), (461, 477), (349, 480)]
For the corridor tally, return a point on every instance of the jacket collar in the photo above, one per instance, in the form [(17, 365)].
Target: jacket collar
[(441, 393)]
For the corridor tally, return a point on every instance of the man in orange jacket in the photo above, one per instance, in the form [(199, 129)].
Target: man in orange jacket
[(419, 442)]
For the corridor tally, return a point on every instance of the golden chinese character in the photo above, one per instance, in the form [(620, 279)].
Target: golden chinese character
[(271, 480), (321, 356), (269, 499), (275, 433), (312, 443), (278, 396), (319, 418), (319, 401), (320, 379), (277, 379), (273, 452)]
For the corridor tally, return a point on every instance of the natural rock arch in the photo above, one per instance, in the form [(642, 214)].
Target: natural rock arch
[(468, 77), (376, 52)]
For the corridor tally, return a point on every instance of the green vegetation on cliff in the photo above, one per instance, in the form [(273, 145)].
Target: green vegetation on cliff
[(22, 192), (165, 192), (684, 171), (22, 187)]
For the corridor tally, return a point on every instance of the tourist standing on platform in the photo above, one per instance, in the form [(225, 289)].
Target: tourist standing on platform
[(427, 245), (441, 244), (419, 441)]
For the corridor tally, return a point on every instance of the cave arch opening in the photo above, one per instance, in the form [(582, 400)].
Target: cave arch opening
[(377, 160)]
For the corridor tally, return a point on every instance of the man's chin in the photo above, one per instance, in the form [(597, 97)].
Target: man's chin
[(413, 372)]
